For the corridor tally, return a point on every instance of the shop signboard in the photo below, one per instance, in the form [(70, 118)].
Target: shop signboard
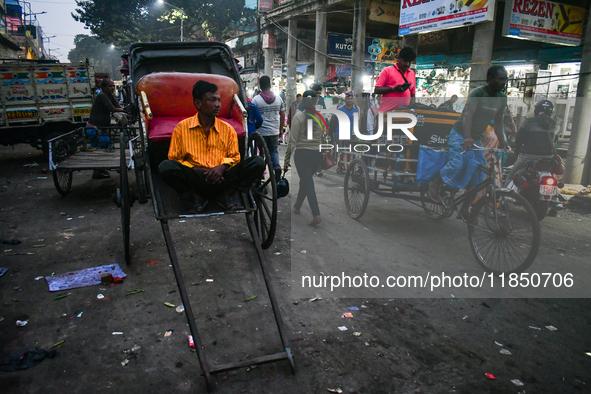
[(277, 66), (269, 41), (418, 16), (265, 5), (544, 21), (340, 46), (384, 12)]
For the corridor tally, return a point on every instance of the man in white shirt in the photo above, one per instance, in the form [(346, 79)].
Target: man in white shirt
[(272, 110)]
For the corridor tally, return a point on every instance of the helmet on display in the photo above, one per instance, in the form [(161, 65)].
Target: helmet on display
[(282, 188), (544, 106)]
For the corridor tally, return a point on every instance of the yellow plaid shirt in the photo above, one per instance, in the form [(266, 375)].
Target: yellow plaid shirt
[(191, 147)]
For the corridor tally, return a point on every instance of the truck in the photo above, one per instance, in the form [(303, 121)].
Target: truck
[(40, 100)]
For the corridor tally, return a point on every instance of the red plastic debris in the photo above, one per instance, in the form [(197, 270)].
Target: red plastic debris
[(490, 376), (152, 262)]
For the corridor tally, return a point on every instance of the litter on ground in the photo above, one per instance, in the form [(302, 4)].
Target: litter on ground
[(83, 278)]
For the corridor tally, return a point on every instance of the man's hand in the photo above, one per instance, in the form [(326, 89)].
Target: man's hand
[(468, 144), (285, 168), (215, 174), (400, 88)]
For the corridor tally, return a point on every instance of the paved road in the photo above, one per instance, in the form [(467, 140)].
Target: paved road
[(405, 345)]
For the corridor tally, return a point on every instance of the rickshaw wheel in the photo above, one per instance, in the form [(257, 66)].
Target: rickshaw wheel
[(504, 234), (264, 192), (140, 181), (125, 200), (356, 188), (433, 210), (62, 180)]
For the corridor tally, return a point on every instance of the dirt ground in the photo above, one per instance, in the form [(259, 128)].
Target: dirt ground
[(411, 345)]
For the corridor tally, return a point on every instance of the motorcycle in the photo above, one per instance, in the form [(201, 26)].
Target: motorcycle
[(537, 183)]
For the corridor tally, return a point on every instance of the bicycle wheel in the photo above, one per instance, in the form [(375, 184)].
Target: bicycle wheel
[(356, 188), (432, 209), (62, 179), (504, 234)]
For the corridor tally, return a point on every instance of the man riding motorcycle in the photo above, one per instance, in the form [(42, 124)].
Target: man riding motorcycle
[(532, 142)]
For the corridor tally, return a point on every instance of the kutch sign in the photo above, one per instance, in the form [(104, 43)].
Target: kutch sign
[(545, 21), (420, 16)]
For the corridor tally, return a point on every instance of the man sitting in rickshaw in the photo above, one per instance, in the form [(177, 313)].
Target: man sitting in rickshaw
[(204, 159)]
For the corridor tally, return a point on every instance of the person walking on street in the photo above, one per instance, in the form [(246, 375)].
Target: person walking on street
[(306, 155), (320, 105), (272, 110)]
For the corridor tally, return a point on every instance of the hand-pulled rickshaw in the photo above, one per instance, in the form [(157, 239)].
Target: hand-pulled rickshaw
[(163, 76), (503, 229)]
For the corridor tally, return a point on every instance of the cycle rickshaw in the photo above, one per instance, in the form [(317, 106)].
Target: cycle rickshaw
[(503, 228), (163, 76)]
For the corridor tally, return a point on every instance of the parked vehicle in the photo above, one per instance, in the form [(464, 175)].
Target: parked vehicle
[(537, 183), (40, 100)]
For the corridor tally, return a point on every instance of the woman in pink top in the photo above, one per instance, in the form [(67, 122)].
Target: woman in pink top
[(397, 83)]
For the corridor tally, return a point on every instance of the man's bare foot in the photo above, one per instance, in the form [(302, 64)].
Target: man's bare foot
[(464, 213), (316, 221), (297, 211), (433, 191)]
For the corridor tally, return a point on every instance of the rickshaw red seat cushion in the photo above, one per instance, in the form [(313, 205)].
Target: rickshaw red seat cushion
[(160, 128), (171, 100)]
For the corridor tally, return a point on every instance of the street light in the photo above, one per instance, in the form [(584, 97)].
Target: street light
[(178, 8)]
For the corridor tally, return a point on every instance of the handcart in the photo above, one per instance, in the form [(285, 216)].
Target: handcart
[(503, 229), (164, 98)]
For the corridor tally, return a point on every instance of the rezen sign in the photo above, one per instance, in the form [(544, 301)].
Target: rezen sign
[(545, 21)]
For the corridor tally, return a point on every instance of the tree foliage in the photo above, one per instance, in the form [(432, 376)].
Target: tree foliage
[(102, 56), (126, 22)]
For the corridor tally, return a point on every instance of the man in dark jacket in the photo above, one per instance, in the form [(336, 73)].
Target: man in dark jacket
[(535, 139)]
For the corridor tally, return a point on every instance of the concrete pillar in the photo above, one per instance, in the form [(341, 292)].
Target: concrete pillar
[(482, 48), (320, 47), (358, 55), (269, 55), (577, 164), (411, 40), (292, 32)]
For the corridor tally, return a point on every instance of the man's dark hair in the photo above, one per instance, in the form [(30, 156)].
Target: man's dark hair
[(407, 54), (316, 87), (105, 82), (299, 95), (309, 100), (494, 70), (202, 87), (455, 96), (265, 82)]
